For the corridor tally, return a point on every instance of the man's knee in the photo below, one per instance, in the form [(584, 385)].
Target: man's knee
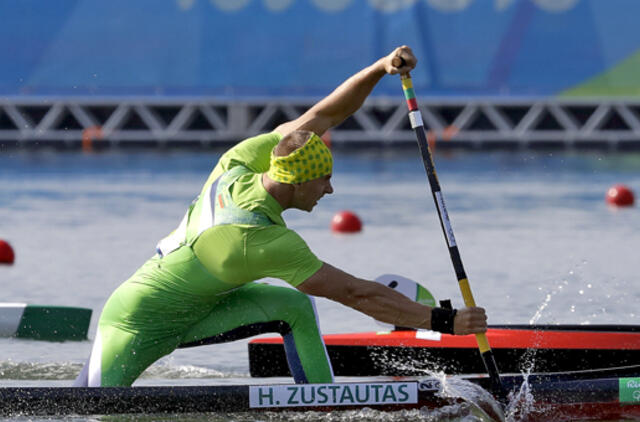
[(298, 303), (288, 304)]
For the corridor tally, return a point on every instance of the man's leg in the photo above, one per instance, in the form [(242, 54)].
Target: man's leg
[(256, 308), (119, 357), (127, 341)]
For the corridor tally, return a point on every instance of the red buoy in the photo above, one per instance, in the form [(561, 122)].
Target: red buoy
[(6, 253), (620, 196), (346, 222)]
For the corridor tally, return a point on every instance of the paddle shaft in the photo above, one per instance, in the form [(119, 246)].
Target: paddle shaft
[(418, 127)]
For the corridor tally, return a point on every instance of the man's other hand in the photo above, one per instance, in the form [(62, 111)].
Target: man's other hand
[(401, 60)]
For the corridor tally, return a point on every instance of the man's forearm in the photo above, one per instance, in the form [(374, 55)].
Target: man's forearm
[(387, 305), (350, 95), (347, 98)]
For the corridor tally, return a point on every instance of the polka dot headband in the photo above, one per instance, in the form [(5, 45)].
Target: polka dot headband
[(311, 161)]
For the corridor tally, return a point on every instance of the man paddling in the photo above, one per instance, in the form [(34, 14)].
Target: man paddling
[(199, 287)]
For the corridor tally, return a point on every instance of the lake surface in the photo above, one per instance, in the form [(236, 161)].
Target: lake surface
[(538, 242)]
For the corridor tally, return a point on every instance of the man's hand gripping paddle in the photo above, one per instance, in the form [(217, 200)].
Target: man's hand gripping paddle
[(481, 403), (418, 127)]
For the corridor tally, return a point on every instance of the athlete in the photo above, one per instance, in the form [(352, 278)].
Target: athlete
[(199, 287)]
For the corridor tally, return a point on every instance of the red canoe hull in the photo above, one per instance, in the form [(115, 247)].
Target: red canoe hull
[(516, 348)]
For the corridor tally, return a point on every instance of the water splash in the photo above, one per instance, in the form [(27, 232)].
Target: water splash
[(521, 402), (481, 403), (167, 370), (570, 285), (475, 402), (541, 308), (385, 359)]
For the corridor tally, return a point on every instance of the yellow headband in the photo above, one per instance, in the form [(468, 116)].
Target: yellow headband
[(310, 161)]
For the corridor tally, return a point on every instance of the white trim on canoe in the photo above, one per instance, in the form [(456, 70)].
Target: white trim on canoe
[(10, 317)]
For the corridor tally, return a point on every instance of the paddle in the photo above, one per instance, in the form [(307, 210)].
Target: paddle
[(416, 123)]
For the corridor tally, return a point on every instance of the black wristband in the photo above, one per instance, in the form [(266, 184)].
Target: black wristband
[(442, 320)]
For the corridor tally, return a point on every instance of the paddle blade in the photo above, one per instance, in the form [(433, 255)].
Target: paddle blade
[(407, 287)]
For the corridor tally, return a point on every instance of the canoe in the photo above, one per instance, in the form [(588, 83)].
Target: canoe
[(42, 322), (603, 394), (517, 348)]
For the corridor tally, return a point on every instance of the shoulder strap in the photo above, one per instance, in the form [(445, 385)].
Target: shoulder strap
[(213, 207), (226, 211)]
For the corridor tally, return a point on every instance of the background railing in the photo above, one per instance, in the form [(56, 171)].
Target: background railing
[(207, 122)]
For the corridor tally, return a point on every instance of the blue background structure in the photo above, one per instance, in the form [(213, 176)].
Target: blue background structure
[(291, 48)]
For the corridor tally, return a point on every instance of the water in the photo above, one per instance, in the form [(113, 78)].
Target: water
[(538, 241)]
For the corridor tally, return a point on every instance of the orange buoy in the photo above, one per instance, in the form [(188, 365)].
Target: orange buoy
[(346, 222), (6, 253), (620, 196)]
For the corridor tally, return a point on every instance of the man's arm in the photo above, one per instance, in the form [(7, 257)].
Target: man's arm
[(384, 303), (350, 95)]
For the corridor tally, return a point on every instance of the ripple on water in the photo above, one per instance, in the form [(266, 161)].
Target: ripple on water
[(50, 371)]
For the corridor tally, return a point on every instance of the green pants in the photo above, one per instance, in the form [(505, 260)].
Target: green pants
[(146, 319)]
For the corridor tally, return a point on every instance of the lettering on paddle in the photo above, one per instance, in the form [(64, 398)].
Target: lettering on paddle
[(636, 395), (451, 240), (333, 394)]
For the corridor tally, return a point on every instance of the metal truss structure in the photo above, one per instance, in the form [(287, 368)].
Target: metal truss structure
[(472, 123)]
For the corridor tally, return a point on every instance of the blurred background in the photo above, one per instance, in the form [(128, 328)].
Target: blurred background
[(492, 73)]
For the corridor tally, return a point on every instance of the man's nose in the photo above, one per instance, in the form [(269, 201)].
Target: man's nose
[(328, 188)]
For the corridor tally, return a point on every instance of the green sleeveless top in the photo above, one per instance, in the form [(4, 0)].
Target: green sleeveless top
[(235, 229)]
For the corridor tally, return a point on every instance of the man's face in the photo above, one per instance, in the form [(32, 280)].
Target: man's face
[(306, 195)]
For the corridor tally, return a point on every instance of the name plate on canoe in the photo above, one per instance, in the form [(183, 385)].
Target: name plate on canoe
[(629, 390), (301, 395)]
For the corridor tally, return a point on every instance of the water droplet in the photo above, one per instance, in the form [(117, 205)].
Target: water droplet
[(581, 292)]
